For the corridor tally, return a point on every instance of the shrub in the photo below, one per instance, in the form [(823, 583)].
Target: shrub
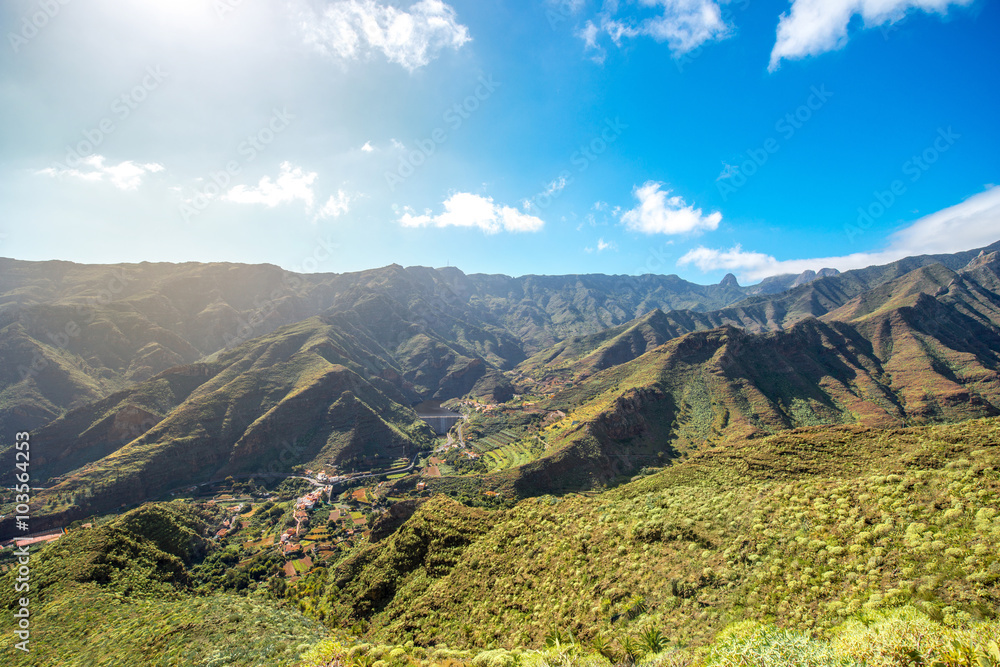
[(906, 636), (750, 644), (496, 658)]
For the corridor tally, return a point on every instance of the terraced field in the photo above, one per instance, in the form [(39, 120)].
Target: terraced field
[(505, 449), (512, 455), (495, 441)]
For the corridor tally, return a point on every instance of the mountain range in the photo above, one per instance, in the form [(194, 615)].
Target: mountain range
[(137, 379)]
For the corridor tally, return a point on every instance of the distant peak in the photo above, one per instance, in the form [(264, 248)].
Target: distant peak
[(983, 259), (806, 276), (729, 281)]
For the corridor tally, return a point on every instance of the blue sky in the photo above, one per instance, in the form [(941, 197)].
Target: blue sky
[(693, 137)]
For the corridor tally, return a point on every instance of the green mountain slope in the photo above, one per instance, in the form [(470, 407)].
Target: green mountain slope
[(332, 390), (303, 395), (120, 594), (922, 347), (804, 529), (581, 356), (831, 296), (77, 333)]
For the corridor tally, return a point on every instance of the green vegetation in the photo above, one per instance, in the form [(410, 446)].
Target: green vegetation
[(810, 477), (513, 454), (85, 626), (805, 529), (121, 593), (909, 352), (304, 407), (898, 638)]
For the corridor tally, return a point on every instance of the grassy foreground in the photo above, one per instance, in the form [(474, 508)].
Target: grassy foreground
[(903, 636)]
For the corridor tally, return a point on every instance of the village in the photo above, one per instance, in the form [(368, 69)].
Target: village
[(327, 524), (324, 523)]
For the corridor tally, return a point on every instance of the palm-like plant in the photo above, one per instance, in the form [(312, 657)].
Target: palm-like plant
[(362, 660), (630, 648), (636, 607), (653, 640), (603, 647), (558, 640)]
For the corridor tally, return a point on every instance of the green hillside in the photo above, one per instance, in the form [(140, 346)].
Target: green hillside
[(806, 530), (77, 333), (293, 398), (923, 348), (802, 472), (121, 594)]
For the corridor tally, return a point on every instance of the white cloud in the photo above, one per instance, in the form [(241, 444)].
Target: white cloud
[(588, 33), (352, 29), (812, 27), (464, 209), (659, 214), (125, 175), (683, 24), (556, 186), (368, 148), (336, 206), (291, 184), (602, 245), (974, 223), (754, 264)]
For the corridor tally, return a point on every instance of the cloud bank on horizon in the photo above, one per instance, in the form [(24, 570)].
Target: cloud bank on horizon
[(974, 223)]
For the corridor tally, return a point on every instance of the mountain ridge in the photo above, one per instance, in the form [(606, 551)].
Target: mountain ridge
[(889, 347)]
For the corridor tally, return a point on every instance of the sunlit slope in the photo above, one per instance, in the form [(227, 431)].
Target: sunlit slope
[(923, 347), (304, 394), (121, 593), (806, 528)]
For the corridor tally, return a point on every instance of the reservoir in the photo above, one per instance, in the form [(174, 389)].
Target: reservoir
[(440, 419)]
